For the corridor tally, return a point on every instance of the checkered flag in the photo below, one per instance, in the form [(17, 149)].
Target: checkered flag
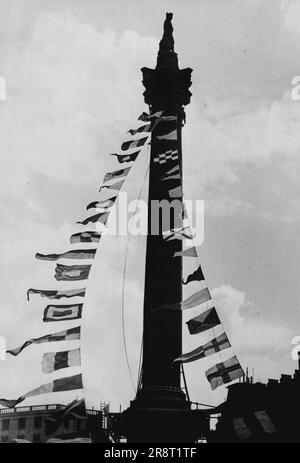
[(162, 158)]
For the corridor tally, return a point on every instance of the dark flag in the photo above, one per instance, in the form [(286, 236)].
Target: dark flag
[(11, 403), (75, 409), (85, 237), (72, 272), (114, 186), (224, 372), (56, 313), (133, 144), (144, 117), (215, 345), (101, 217), (143, 128), (126, 157), (203, 322), (105, 204), (56, 294), (116, 174), (197, 275), (52, 361), (75, 254), (66, 335)]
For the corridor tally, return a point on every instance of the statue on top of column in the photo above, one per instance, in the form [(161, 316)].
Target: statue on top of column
[(167, 41)]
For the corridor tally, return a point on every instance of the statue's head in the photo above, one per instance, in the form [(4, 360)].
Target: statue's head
[(169, 16)]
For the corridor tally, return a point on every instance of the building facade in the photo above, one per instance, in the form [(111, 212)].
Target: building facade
[(30, 423)]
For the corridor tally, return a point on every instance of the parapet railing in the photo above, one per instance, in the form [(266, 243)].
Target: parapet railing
[(40, 408)]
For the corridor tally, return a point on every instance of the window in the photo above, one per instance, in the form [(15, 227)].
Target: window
[(37, 421), (36, 438), (66, 423), (21, 423), (77, 425), (5, 425), (4, 439)]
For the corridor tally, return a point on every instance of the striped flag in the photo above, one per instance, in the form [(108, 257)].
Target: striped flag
[(197, 275), (114, 186), (56, 294), (85, 237), (100, 218), (52, 361), (203, 322), (168, 136), (189, 252), (144, 117), (224, 372), (126, 157), (75, 254), (143, 128), (215, 345), (133, 144), (66, 335), (56, 313), (72, 272), (104, 204), (116, 174), (69, 383)]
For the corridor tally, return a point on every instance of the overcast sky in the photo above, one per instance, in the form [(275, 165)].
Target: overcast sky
[(72, 70)]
